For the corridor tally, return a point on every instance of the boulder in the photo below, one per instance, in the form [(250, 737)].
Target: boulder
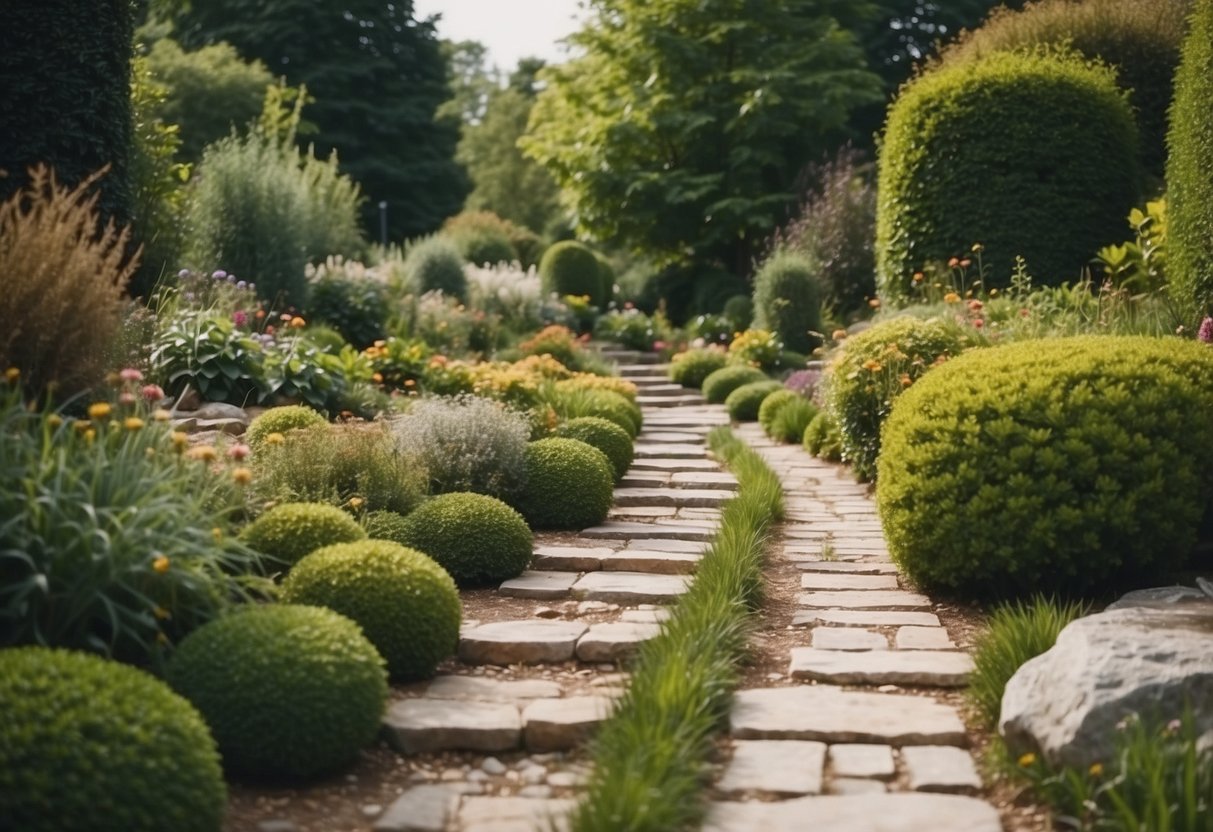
[(1150, 655)]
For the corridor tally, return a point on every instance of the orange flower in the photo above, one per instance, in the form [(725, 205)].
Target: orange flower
[(11, 375), (874, 303), (298, 322), (242, 475), (954, 262), (872, 365), (839, 335), (99, 410), (905, 380), (918, 277), (160, 564), (377, 378), (951, 297), (203, 453)]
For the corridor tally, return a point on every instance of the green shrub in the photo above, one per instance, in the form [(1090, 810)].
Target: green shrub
[(289, 531), (356, 466), (822, 438), (483, 247), (791, 420), (560, 342), (484, 237), (466, 444), (570, 268), (874, 368), (787, 300), (281, 420), (1015, 633), (434, 264), (739, 309), (1189, 178), (477, 539), (385, 525), (404, 602), (1140, 40), (1085, 463), (1000, 152), (87, 744), (692, 367), (720, 383), (288, 691), (573, 402), (569, 485), (743, 403), (771, 405), (353, 304), (606, 273), (604, 435)]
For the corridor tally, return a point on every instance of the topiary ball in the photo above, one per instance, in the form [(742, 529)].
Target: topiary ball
[(280, 420), (720, 383), (771, 405), (787, 300), (405, 602), (690, 368), (476, 538), (822, 438), (87, 744), (570, 268), (604, 435), (1082, 463), (291, 530), (384, 525), (791, 421), (743, 403), (569, 485), (289, 691)]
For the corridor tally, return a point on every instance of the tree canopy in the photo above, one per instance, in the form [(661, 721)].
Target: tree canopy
[(679, 130)]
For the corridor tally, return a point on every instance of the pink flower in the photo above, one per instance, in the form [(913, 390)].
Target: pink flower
[(659, 345), (1205, 334), (130, 374), (239, 452), (126, 398), (239, 318), (153, 392)]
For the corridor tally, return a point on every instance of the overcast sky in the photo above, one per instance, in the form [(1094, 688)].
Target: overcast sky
[(511, 29)]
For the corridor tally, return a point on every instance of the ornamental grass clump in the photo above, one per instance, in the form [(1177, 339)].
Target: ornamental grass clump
[(822, 438), (1069, 465), (575, 401), (792, 420)]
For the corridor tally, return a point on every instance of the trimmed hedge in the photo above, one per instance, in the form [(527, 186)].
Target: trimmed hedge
[(1064, 465), (822, 438), (1002, 152), (743, 403), (570, 485), (477, 539), (87, 743), (690, 368), (787, 300), (289, 691), (792, 420), (289, 531), (604, 435), (571, 268), (720, 383)]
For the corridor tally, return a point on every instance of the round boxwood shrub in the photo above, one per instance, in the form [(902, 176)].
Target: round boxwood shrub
[(384, 525), (570, 268), (822, 438), (604, 435), (743, 403), (483, 246), (1189, 178), (871, 371), (569, 485), (720, 383), (1052, 466), (771, 405), (435, 264), (87, 743), (291, 530), (787, 300), (791, 420), (1001, 152), (280, 420), (477, 539), (288, 691), (690, 368), (405, 602)]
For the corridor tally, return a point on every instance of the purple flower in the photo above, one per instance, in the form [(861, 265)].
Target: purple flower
[(803, 382), (218, 274), (1205, 334), (240, 284), (183, 274)]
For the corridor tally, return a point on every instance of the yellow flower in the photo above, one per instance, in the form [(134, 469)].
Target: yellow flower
[(356, 502), (161, 613), (160, 564), (217, 533), (90, 435), (1027, 760), (99, 410), (242, 476), (951, 297), (203, 453), (11, 375), (54, 420), (275, 439), (161, 415), (873, 365), (132, 423), (1096, 770), (180, 440)]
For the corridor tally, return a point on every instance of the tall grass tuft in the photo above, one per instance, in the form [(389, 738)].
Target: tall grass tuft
[(650, 757), (62, 276)]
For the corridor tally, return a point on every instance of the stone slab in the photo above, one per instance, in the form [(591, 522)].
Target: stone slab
[(932, 668), (415, 726), (669, 450), (827, 714), (513, 814), (639, 479), (857, 813), (561, 724), (645, 616), (491, 690), (892, 599), (844, 582), (677, 497), (721, 481), (848, 638), (680, 437), (867, 761), (539, 584), (674, 466), (423, 808), (568, 558), (691, 547), (644, 513), (866, 618), (527, 642), (624, 530), (923, 638), (612, 641), (938, 768), (658, 563), (781, 767), (669, 401), (630, 587), (847, 567), (854, 785)]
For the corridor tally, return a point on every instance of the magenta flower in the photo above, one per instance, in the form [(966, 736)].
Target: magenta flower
[(239, 318), (1205, 334)]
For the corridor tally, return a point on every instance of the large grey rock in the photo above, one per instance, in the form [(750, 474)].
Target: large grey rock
[(1065, 703), (220, 410), (491, 690)]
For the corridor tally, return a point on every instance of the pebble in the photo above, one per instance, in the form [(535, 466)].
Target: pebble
[(492, 765), (533, 774), (371, 810), (452, 775), (547, 612), (563, 779), (535, 791)]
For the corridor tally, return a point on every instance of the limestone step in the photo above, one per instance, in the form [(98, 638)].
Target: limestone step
[(841, 581), (531, 641), (540, 584), (669, 401), (674, 466), (634, 370), (651, 562), (415, 726), (562, 724), (715, 480), (866, 618), (614, 641), (856, 813), (926, 668), (630, 587), (515, 814), (934, 768), (891, 599), (623, 357), (668, 436), (668, 530), (669, 450), (677, 497), (775, 767)]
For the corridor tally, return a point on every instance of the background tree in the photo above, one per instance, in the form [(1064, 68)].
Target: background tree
[(680, 129), (472, 81), (378, 77), (66, 95)]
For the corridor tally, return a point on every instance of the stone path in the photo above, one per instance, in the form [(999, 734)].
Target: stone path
[(849, 737)]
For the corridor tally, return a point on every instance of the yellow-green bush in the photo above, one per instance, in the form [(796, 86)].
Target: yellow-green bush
[(792, 420), (822, 438), (570, 485), (787, 300), (570, 268), (690, 368), (1071, 464), (720, 383), (280, 420), (289, 531), (743, 403), (604, 435), (476, 538)]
